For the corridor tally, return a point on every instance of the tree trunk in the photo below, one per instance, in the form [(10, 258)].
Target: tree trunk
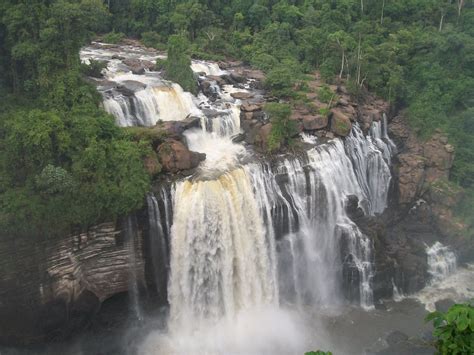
[(441, 22), (381, 16), (342, 65), (362, 7)]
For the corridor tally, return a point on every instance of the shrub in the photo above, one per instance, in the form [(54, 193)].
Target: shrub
[(94, 68), (113, 37), (280, 80), (283, 129), (325, 94), (454, 329), (178, 64), (151, 39)]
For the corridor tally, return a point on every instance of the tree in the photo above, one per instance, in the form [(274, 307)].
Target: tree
[(178, 63), (283, 129)]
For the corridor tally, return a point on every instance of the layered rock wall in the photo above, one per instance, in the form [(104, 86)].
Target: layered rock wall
[(49, 287)]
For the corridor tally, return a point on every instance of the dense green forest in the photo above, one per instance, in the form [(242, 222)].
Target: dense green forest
[(63, 161)]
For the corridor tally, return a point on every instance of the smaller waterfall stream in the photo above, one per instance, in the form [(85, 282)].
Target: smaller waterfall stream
[(441, 262), (130, 238)]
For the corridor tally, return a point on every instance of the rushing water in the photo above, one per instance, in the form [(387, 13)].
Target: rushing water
[(441, 262), (250, 246)]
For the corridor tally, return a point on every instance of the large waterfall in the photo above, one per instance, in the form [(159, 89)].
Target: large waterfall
[(245, 239)]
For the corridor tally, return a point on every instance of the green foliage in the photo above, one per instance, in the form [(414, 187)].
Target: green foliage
[(72, 169), (281, 80), (64, 164), (325, 94), (94, 68), (324, 111), (152, 39), (318, 352), (283, 129), (178, 63), (113, 37), (454, 329)]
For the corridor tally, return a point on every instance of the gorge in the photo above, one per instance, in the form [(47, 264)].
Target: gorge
[(231, 237)]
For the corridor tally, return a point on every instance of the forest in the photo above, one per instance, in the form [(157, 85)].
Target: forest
[(65, 165)]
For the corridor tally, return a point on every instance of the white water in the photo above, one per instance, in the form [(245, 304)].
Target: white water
[(441, 262), (227, 269), (457, 286), (371, 157), (130, 235)]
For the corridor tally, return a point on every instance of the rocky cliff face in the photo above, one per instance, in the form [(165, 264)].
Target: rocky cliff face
[(50, 287), (420, 212)]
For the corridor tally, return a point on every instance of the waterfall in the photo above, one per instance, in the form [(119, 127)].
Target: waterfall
[(242, 234), (208, 68), (158, 246), (371, 157), (220, 256), (441, 262), (152, 104), (130, 235)]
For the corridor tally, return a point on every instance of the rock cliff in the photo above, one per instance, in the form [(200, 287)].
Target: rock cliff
[(50, 287)]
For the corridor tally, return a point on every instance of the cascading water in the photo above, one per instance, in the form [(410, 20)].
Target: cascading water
[(158, 246), (371, 157), (130, 235), (441, 262), (246, 236)]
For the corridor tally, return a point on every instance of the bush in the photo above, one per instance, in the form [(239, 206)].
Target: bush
[(94, 68), (454, 329), (113, 37), (151, 39), (325, 94), (283, 129), (280, 80), (178, 64)]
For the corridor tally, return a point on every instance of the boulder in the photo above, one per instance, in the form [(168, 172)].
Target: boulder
[(152, 165), (250, 107), (174, 156), (241, 95), (444, 305), (237, 77), (207, 87), (218, 79), (138, 66), (340, 123), (264, 135), (396, 337), (311, 123)]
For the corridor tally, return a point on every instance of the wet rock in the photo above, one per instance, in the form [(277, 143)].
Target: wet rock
[(396, 337), (207, 89), (238, 138), (241, 95), (174, 156), (218, 79), (444, 305), (138, 66), (250, 107), (133, 85), (263, 136), (238, 78), (311, 123), (340, 123)]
